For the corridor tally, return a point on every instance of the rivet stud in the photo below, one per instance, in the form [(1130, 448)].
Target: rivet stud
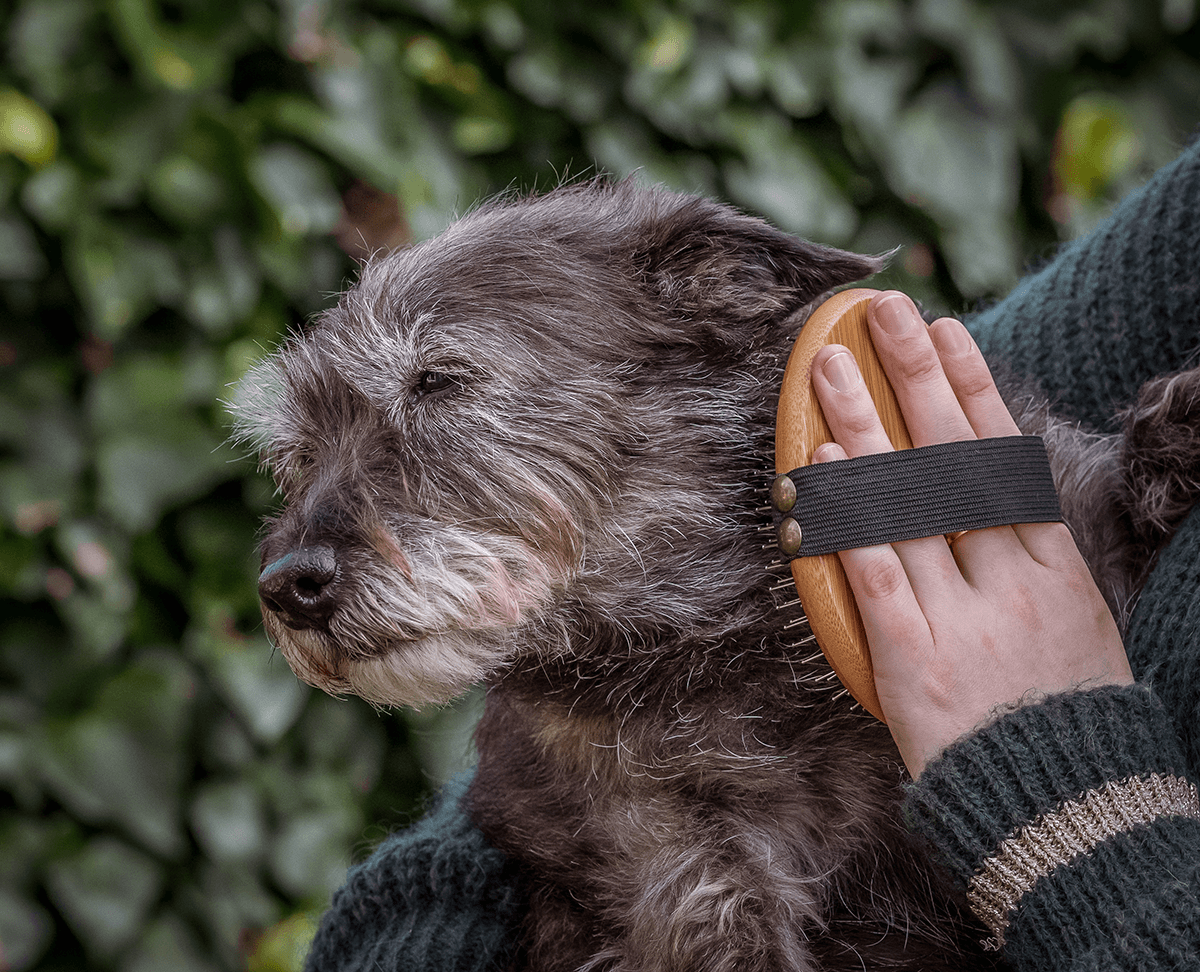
[(783, 493), (789, 536)]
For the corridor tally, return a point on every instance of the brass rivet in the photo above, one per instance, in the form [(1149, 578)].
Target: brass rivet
[(783, 493), (789, 536)]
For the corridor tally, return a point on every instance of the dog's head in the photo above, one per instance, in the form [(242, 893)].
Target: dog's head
[(548, 421)]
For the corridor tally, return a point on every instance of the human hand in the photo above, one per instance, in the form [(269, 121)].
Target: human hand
[(1003, 615)]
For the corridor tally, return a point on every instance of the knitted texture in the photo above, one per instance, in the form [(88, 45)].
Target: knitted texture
[(1119, 908), (1111, 311), (434, 897), (1132, 901), (1090, 325), (1003, 777), (1063, 835), (1164, 631)]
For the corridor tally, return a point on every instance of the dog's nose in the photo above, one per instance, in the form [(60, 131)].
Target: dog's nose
[(299, 586)]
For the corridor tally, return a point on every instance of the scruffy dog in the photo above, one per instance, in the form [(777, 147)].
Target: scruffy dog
[(535, 451)]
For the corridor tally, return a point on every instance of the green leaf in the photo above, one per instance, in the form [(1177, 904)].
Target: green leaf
[(20, 257), (139, 479), (50, 456), (228, 820), (168, 944), (782, 180), (96, 627), (347, 737), (669, 47), (153, 449), (178, 59), (124, 133), (226, 290), (309, 858), (869, 79), (54, 195), (43, 38), (255, 682), (122, 276), (28, 841), (104, 892), (185, 191), (121, 760), (982, 254), (298, 188), (26, 130), (478, 134), (963, 168), (283, 947), (973, 32), (1097, 145), (232, 903), (795, 77), (25, 931)]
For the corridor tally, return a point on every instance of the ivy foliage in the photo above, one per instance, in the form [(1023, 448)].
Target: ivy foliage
[(181, 182)]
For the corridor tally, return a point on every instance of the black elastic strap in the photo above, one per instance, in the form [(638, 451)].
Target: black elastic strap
[(922, 492)]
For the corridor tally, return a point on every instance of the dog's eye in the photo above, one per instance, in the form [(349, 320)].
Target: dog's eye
[(432, 382)]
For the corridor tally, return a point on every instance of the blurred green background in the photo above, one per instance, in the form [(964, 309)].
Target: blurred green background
[(181, 181)]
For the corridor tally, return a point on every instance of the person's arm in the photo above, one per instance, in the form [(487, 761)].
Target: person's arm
[(1073, 828), (1049, 784), (433, 898), (1112, 309)]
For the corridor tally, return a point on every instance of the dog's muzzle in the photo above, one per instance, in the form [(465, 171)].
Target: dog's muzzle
[(301, 586)]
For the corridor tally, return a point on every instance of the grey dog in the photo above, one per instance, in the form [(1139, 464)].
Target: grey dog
[(535, 452)]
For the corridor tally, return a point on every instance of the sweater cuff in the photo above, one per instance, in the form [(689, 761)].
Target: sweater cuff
[(1045, 786)]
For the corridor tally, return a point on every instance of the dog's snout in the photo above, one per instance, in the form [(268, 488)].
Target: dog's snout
[(300, 586)]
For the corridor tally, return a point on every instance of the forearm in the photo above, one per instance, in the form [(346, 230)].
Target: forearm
[(1075, 830), (1114, 308)]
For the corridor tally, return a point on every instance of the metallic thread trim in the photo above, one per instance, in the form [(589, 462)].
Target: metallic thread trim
[(1075, 828)]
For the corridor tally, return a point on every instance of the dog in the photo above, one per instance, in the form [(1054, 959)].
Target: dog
[(535, 452)]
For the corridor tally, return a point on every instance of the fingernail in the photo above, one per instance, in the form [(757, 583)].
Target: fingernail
[(895, 314), (950, 337), (841, 371)]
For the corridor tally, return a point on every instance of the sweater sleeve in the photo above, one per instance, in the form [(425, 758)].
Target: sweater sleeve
[(1074, 824), (1163, 637), (433, 898), (1075, 830), (1112, 309)]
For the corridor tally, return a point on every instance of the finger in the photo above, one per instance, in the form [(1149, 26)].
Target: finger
[(971, 380), (934, 408), (1050, 544), (931, 409), (850, 412), (846, 403), (890, 610), (973, 385)]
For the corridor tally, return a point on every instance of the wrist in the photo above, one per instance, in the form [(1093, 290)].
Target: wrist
[(1014, 807)]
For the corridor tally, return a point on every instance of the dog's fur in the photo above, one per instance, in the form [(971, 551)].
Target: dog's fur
[(535, 451)]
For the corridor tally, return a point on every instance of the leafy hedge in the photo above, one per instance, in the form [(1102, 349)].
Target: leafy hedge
[(181, 181)]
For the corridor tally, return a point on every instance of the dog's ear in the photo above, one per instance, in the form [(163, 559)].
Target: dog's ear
[(731, 274)]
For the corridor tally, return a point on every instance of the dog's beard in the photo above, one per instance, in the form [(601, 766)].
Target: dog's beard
[(423, 626)]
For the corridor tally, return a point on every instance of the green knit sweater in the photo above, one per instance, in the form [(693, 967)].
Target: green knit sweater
[(1070, 822)]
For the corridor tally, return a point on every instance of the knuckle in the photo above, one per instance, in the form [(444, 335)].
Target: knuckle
[(881, 579), (861, 420), (918, 366), (975, 381)]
